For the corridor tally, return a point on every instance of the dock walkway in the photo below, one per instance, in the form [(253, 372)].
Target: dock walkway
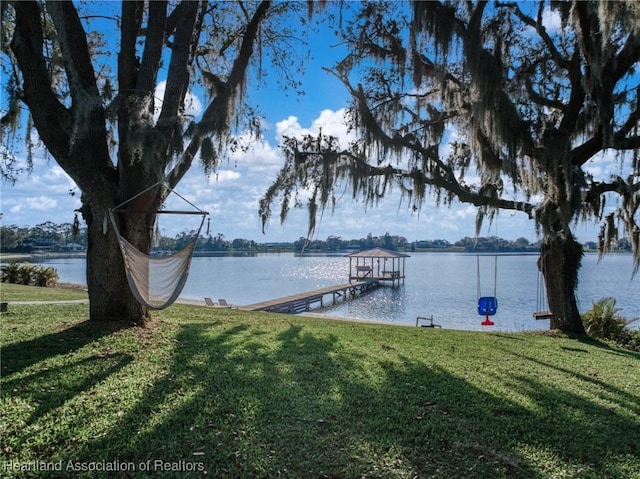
[(300, 302)]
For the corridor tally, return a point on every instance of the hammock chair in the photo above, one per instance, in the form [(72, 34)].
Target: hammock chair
[(156, 282), (487, 305)]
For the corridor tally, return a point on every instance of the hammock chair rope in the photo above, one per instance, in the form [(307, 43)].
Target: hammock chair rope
[(156, 282)]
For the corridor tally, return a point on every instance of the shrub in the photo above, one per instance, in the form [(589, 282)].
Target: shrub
[(44, 276), (24, 274), (634, 339), (10, 272), (28, 274), (602, 321)]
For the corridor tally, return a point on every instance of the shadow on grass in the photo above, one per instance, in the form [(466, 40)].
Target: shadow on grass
[(603, 345), (304, 404), (20, 355), (52, 387), (595, 342), (287, 398), (622, 398)]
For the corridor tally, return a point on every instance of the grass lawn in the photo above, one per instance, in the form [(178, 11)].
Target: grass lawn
[(208, 392), (18, 292)]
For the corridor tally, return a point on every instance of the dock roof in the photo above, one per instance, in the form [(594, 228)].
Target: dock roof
[(378, 253)]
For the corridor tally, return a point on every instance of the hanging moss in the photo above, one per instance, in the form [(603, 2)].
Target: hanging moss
[(11, 119), (208, 155), (506, 96)]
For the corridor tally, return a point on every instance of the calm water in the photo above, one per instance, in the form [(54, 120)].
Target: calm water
[(440, 284)]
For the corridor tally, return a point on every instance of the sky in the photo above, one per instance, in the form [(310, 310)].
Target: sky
[(232, 194)]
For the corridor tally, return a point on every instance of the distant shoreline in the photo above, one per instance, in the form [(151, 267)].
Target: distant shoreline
[(249, 253)]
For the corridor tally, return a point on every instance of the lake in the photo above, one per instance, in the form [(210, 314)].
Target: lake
[(444, 285)]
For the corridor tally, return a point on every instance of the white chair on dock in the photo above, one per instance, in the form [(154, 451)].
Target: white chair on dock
[(364, 271), (222, 303)]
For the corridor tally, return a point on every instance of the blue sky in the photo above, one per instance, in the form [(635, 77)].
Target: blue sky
[(232, 194)]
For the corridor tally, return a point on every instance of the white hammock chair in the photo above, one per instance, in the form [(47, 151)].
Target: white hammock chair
[(156, 282)]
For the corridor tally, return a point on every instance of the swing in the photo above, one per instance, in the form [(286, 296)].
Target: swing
[(156, 282), (488, 305), (541, 300)]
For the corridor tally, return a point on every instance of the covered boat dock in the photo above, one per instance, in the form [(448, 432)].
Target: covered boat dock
[(377, 264)]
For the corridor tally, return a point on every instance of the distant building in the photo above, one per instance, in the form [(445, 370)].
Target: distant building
[(74, 247)]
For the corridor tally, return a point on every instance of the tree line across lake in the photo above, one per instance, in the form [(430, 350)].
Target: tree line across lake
[(51, 237)]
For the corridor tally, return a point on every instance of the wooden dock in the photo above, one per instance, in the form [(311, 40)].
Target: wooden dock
[(301, 302)]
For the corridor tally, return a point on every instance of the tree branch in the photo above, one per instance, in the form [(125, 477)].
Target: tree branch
[(215, 117), (127, 75), (178, 73), (541, 30), (584, 152), (152, 53), (89, 129), (632, 122), (75, 52), (416, 176), (127, 63), (540, 100), (622, 63), (51, 118)]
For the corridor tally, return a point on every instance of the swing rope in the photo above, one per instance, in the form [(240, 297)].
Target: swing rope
[(488, 305), (542, 307), (539, 293), (479, 293), (156, 282), (495, 276)]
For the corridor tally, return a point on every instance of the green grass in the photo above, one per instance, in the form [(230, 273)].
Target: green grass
[(240, 394), (18, 292)]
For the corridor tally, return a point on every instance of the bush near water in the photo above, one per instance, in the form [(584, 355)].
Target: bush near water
[(603, 321), (29, 274)]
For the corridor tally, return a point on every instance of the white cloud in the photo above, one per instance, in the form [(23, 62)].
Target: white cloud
[(607, 164), (17, 209), (226, 176), (551, 21), (40, 203), (289, 127), (259, 154), (330, 122), (192, 105), (465, 212), (333, 123)]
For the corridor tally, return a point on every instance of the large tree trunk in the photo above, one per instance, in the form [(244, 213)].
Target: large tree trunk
[(110, 297), (560, 258)]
